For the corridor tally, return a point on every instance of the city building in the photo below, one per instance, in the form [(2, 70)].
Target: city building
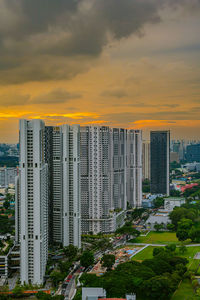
[(111, 175), (146, 160), (172, 202), (118, 156), (134, 168), (97, 293), (62, 155), (160, 218), (174, 156), (193, 153), (7, 176), (33, 202), (160, 158), (96, 187)]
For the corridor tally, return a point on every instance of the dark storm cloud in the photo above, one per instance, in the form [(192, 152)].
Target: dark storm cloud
[(35, 33), (56, 96)]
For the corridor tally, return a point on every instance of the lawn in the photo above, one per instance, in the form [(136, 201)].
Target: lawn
[(185, 292), (157, 238), (147, 253)]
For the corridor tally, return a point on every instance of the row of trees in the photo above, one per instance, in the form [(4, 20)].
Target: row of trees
[(185, 221)]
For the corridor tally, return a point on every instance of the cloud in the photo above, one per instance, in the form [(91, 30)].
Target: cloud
[(117, 93), (13, 99), (52, 40), (55, 96)]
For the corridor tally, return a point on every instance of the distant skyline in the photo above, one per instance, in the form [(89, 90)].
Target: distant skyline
[(122, 63)]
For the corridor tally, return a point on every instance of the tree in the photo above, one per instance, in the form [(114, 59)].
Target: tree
[(194, 234), (170, 227), (70, 251), (182, 234), (128, 229), (183, 229), (158, 202), (158, 227), (179, 213), (87, 259), (108, 261), (158, 287), (175, 193), (157, 250), (182, 249), (171, 247), (56, 277)]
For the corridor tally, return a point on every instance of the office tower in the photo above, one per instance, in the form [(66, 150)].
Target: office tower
[(146, 160), (193, 153), (96, 199), (134, 168), (33, 202), (160, 158), (118, 172), (62, 154)]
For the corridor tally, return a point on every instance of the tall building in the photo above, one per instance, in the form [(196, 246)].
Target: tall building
[(47, 194), (96, 191), (160, 158), (193, 153), (111, 174), (118, 165), (146, 160), (33, 202), (71, 186), (134, 167), (62, 153)]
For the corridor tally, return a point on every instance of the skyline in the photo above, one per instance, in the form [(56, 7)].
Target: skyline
[(131, 64)]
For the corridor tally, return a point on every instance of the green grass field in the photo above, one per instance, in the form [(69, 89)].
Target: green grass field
[(191, 251), (147, 253), (185, 292), (158, 238)]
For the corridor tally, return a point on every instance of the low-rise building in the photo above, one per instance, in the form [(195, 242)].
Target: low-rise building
[(172, 202), (161, 218), (97, 293)]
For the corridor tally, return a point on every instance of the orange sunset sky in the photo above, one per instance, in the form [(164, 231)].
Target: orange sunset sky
[(124, 63)]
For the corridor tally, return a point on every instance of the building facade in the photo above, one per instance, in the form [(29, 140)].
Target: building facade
[(62, 154), (193, 153), (111, 174), (160, 158), (134, 168), (33, 202), (96, 191), (118, 171), (7, 176), (146, 160)]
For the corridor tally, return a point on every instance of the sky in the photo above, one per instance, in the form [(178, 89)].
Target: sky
[(122, 63)]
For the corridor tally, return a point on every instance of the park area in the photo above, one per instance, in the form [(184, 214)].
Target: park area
[(185, 290), (157, 238)]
